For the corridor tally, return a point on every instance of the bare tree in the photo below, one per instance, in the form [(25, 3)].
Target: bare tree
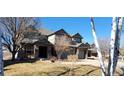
[(102, 66), (13, 29), (1, 56), (112, 47), (122, 53), (104, 44), (61, 45), (115, 44)]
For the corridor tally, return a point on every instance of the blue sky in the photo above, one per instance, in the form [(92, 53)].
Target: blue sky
[(81, 25)]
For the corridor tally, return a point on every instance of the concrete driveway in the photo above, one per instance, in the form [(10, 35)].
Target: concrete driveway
[(94, 62)]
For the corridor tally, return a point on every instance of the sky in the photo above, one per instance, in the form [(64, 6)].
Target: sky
[(81, 25)]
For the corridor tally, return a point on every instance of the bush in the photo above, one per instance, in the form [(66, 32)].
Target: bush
[(72, 58), (53, 59)]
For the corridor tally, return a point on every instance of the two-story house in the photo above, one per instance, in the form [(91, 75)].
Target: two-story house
[(38, 45), (77, 46)]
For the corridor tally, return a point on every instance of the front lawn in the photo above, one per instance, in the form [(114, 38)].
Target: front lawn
[(52, 69)]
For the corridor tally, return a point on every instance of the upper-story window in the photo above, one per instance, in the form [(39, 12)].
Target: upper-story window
[(63, 37), (77, 40)]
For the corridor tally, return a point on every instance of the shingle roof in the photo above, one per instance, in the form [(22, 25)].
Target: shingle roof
[(80, 45), (60, 32), (27, 40), (77, 35), (45, 31), (35, 37)]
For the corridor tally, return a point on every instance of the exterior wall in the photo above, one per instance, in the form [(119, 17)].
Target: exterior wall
[(58, 37), (82, 53), (34, 52), (54, 38), (77, 40), (72, 51), (51, 39), (48, 51), (30, 51)]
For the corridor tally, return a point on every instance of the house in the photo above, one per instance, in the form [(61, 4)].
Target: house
[(77, 38), (35, 45), (92, 51), (40, 44), (58, 35), (79, 46)]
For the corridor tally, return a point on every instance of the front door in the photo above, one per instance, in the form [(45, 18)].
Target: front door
[(42, 52)]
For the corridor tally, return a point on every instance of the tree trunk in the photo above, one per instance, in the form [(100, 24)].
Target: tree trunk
[(102, 66), (13, 52), (112, 47), (13, 56), (122, 58), (115, 45), (1, 58)]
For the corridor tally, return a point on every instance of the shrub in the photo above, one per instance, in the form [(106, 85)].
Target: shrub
[(72, 58), (53, 59)]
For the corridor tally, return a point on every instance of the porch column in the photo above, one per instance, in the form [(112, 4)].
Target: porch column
[(77, 52), (86, 55), (34, 51), (49, 52)]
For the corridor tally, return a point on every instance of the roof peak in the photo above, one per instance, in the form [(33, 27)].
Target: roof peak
[(77, 35), (60, 31)]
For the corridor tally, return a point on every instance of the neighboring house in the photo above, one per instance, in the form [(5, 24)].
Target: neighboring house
[(92, 51), (41, 44)]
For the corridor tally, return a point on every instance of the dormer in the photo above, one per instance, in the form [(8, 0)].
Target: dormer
[(57, 35), (77, 38)]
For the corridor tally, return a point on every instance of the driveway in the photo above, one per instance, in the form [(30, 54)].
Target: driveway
[(92, 62)]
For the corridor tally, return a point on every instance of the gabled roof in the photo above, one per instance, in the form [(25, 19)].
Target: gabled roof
[(35, 37), (32, 35), (45, 31), (77, 35), (60, 32), (84, 45)]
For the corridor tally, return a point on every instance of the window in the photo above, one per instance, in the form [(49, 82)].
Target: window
[(29, 49)]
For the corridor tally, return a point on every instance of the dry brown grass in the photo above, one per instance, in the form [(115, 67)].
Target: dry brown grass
[(72, 58), (52, 69)]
